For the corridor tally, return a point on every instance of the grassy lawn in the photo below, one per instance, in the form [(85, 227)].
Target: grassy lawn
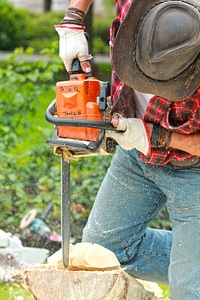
[(14, 292), (166, 291)]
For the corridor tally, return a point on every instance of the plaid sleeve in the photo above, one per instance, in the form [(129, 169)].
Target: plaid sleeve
[(180, 116), (122, 96)]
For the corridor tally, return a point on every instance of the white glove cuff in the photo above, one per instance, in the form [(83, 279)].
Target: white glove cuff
[(69, 26)]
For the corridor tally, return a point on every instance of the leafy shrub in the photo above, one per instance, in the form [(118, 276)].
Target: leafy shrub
[(21, 85), (43, 32), (101, 35), (29, 171), (14, 26), (19, 28)]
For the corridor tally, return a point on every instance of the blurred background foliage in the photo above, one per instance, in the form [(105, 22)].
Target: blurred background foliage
[(29, 170), (21, 28)]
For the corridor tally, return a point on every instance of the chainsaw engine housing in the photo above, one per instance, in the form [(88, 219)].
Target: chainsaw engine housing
[(77, 99)]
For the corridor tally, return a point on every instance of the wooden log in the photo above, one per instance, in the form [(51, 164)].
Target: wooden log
[(52, 283), (93, 273)]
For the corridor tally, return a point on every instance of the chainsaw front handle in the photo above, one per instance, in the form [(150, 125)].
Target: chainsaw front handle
[(50, 117)]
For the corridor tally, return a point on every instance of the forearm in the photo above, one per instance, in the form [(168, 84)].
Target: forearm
[(186, 142), (81, 4), (189, 143)]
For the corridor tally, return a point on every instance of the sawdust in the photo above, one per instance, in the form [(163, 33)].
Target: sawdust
[(9, 267)]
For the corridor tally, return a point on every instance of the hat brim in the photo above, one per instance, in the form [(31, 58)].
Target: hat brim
[(125, 65)]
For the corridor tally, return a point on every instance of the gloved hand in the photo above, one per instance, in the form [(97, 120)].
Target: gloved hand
[(73, 44), (133, 134)]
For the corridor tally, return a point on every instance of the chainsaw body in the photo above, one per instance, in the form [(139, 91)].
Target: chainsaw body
[(79, 115), (77, 99)]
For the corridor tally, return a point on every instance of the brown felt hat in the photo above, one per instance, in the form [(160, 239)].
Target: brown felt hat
[(157, 48)]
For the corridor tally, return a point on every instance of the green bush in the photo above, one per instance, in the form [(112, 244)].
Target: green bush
[(14, 27), (19, 28), (101, 35), (29, 171), (22, 87), (43, 32)]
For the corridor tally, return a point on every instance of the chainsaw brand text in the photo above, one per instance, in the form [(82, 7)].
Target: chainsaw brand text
[(70, 88), (72, 113)]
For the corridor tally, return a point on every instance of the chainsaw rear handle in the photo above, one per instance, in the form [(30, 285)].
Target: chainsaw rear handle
[(76, 65), (50, 117)]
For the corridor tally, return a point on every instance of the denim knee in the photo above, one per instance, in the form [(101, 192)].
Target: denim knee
[(184, 269)]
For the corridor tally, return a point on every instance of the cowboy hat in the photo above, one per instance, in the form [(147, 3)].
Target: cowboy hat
[(157, 48)]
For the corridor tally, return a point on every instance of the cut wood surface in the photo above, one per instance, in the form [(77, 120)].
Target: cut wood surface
[(93, 274)]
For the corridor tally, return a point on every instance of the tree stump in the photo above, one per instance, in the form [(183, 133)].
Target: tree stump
[(86, 278), (52, 283)]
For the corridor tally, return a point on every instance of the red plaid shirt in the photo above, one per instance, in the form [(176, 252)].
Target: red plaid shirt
[(121, 95), (181, 116)]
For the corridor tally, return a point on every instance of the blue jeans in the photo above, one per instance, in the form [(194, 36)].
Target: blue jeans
[(131, 195)]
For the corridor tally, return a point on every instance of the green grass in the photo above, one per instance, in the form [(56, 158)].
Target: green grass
[(166, 291), (14, 292)]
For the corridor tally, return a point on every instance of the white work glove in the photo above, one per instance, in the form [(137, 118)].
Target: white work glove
[(72, 44), (132, 134)]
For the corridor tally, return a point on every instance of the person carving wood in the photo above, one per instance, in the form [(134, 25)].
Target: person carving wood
[(155, 96)]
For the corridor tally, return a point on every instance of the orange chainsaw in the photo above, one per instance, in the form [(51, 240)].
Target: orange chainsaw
[(79, 115)]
